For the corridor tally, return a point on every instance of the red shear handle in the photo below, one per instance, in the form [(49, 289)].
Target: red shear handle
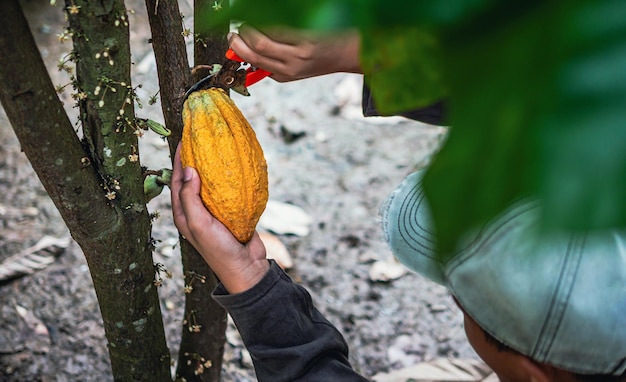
[(254, 75), (231, 55)]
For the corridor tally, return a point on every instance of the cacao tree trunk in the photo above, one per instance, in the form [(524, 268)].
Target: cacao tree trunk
[(209, 48), (204, 326), (96, 184)]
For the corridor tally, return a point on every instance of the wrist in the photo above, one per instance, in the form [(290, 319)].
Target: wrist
[(245, 278), (349, 52)]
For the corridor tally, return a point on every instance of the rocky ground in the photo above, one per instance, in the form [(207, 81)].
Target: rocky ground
[(323, 157)]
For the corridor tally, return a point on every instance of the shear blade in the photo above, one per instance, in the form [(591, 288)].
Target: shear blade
[(198, 85)]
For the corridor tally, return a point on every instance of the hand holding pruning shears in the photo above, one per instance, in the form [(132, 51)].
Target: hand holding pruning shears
[(292, 54), (253, 75), (285, 54)]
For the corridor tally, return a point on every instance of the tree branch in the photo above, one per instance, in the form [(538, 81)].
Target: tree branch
[(200, 353), (172, 63), (113, 234), (45, 131)]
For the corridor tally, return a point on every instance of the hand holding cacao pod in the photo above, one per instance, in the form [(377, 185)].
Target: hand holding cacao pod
[(221, 145)]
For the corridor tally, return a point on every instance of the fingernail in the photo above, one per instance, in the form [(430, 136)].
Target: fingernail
[(229, 35), (187, 174)]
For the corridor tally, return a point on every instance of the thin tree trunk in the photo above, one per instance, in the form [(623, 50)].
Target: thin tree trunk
[(45, 131), (203, 332), (114, 233), (210, 44), (121, 261), (209, 48), (172, 63)]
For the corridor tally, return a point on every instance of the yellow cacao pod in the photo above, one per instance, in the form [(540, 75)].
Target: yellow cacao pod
[(221, 145)]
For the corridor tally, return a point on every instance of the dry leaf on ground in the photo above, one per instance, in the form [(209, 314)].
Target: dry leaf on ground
[(12, 212), (441, 370), (34, 258), (34, 323), (282, 218), (386, 270), (276, 250)]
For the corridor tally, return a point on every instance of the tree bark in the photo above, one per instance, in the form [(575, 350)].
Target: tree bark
[(210, 44), (203, 332), (209, 49), (114, 233), (45, 131), (172, 63)]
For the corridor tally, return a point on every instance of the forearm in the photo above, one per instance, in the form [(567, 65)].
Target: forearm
[(296, 54), (288, 338), (343, 52)]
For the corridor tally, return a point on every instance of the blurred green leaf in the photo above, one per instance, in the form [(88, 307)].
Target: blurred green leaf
[(313, 14), (537, 93), (499, 70), (583, 145), (538, 108), (403, 68)]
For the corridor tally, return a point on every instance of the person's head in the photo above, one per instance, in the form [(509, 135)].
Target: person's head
[(537, 307), (512, 366)]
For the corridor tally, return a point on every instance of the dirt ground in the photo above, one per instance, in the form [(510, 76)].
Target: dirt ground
[(323, 157)]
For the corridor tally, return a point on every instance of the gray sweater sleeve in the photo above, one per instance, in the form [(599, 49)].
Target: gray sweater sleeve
[(288, 338)]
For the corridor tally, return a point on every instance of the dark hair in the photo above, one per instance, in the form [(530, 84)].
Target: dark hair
[(500, 347), (600, 377), (497, 344), (579, 377)]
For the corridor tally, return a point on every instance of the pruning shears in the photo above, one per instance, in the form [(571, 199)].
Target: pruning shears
[(253, 74), (235, 74)]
